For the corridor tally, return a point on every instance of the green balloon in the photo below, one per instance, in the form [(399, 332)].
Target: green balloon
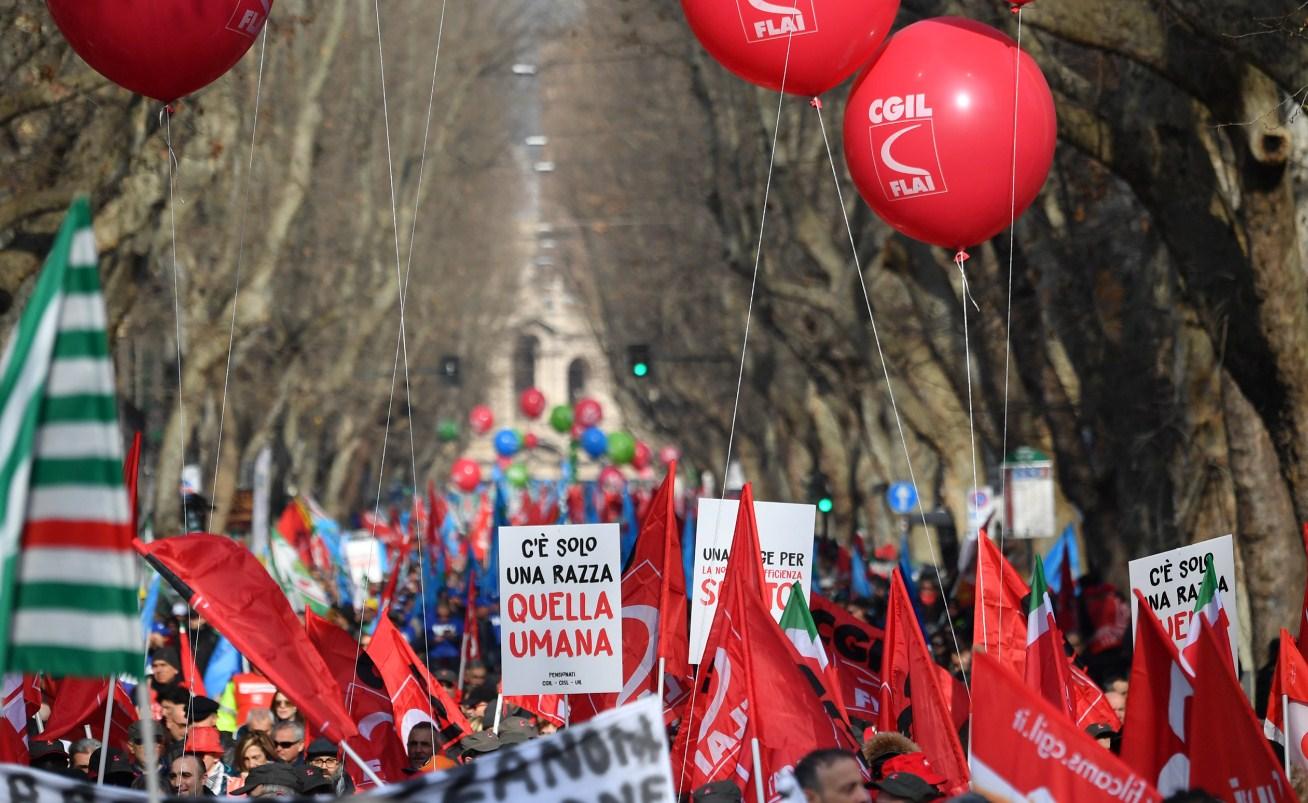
[(561, 419), (516, 474), (448, 430), (622, 448)]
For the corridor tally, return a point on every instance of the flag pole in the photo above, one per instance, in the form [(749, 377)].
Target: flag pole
[(147, 735), (758, 769), (662, 667), (1285, 731), (108, 718), (363, 765), (499, 707), (463, 658)]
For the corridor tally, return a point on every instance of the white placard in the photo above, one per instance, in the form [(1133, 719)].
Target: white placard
[(1029, 500), (785, 535), (561, 609), (1170, 582)]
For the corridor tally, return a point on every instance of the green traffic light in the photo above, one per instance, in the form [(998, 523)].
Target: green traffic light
[(640, 369), (825, 505)]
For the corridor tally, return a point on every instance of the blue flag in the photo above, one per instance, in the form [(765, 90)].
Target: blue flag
[(859, 587), (1064, 549), (688, 552), (224, 662), (910, 585), (588, 497), (630, 527)]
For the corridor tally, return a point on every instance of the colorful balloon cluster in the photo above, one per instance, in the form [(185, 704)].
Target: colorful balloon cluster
[(950, 128)]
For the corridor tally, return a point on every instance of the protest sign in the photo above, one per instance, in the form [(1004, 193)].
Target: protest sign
[(785, 536), (561, 609), (619, 755), (1170, 582)]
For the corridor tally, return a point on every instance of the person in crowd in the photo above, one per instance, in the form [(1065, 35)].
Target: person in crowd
[(47, 755), (476, 702), (165, 667), (288, 742), (326, 756), (138, 747), (203, 741), (173, 704), (444, 636), (203, 712), (186, 776), (884, 746), (253, 750), (79, 757), (717, 792), (315, 783), (118, 769), (283, 710), (1107, 738), (474, 674), (449, 681), (1117, 701), (270, 780), (831, 776), (203, 640), (421, 744), (904, 787), (259, 720)]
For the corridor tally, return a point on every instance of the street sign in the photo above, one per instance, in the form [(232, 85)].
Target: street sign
[(1029, 499), (902, 497), (980, 506)]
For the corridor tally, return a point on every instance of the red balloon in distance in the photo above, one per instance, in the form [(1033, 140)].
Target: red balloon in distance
[(929, 132), (668, 454), (530, 441), (577, 429), (641, 457), (588, 413), (163, 49), (466, 474), (532, 403), (815, 43), (482, 419), (611, 479)]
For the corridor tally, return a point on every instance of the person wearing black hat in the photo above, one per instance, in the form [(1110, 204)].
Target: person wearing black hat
[(1103, 733), (165, 667), (270, 780), (47, 755), (314, 782), (831, 776), (717, 792), (475, 703), (118, 770), (905, 787), (173, 704), (476, 745), (324, 755)]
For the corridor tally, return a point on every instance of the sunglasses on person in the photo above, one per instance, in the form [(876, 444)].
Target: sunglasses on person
[(288, 745)]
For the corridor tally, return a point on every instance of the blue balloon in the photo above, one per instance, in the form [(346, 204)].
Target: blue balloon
[(595, 442), (507, 443)]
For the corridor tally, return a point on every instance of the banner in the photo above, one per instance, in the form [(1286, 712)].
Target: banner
[(619, 755), (1170, 582), (561, 609), (785, 535)]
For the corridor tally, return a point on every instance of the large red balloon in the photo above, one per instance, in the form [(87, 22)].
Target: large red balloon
[(532, 403), (587, 412), (929, 131), (163, 49), (466, 474), (828, 40), (482, 419)]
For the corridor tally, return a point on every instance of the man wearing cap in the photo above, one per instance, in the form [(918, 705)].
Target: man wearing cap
[(516, 730), (47, 755), (476, 745), (118, 770), (905, 787), (314, 782), (717, 792), (270, 780), (831, 776), (324, 755)]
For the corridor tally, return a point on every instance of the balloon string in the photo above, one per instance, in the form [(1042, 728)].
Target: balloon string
[(959, 259), (1008, 318), (740, 377), (166, 117), (240, 254), (885, 370)]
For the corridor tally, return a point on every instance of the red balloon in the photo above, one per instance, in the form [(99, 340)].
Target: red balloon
[(643, 454), (577, 429), (669, 454), (530, 441), (163, 49), (587, 412), (611, 479), (466, 474), (482, 419), (929, 131), (532, 403), (827, 40)]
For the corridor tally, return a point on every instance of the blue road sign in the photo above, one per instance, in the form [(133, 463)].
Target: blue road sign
[(902, 497)]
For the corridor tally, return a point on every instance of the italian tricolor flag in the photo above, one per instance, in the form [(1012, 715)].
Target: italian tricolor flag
[(1046, 663), (797, 623), (1210, 611), (68, 586)]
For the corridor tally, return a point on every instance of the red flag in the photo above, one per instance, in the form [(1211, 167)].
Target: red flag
[(397, 568), (1154, 735), (1288, 699), (553, 708), (479, 533), (1000, 612), (415, 696), (1302, 642), (223, 581), (855, 647), (369, 704), (13, 719), (1023, 748), (191, 677), (1089, 705), (131, 473), (1228, 755), (1046, 663), (471, 646), (913, 701), (653, 613), (80, 702)]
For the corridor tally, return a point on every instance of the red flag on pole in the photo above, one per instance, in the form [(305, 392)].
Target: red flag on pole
[(855, 647), (553, 708), (191, 677), (1287, 703), (415, 696), (999, 612), (227, 584), (1155, 734), (1302, 641), (1046, 663), (80, 702), (365, 694), (913, 700), (1023, 748), (654, 618), (131, 474)]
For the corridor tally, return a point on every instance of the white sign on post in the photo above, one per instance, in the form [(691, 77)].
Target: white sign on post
[(561, 609), (1170, 582), (1029, 496), (785, 535)]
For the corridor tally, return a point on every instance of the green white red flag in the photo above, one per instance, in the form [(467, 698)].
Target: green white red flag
[(1046, 662), (1209, 611), (68, 578)]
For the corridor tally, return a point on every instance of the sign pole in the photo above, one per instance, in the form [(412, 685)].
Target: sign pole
[(108, 718), (1285, 731), (499, 707)]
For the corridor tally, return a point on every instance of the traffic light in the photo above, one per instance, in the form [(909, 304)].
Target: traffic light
[(639, 361), (819, 492), (450, 370)]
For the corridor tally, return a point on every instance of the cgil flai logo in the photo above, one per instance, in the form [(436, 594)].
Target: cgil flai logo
[(903, 139), (764, 20)]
